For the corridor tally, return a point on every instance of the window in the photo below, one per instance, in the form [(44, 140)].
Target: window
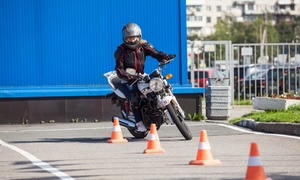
[(194, 30), (251, 7), (198, 18), (229, 8), (194, 18), (208, 8), (208, 19), (293, 7), (219, 8), (198, 8), (271, 8), (198, 30), (250, 18)]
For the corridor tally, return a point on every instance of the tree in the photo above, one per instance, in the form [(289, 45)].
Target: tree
[(296, 28), (286, 32), (259, 25), (193, 37), (238, 32), (222, 31)]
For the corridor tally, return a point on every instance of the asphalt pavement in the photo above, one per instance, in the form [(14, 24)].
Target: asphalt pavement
[(270, 127), (81, 151)]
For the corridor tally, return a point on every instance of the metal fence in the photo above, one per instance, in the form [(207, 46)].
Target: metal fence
[(271, 69)]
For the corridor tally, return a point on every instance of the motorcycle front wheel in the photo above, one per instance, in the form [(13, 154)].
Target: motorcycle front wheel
[(179, 122)]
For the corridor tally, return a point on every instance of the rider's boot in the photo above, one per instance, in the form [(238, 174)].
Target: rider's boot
[(140, 126)]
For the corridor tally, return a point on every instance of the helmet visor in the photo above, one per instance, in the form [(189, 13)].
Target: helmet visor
[(132, 39)]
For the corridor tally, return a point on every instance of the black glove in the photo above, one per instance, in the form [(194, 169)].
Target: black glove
[(169, 56), (139, 77)]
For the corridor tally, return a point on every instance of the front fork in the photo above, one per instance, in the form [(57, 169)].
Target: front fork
[(163, 102)]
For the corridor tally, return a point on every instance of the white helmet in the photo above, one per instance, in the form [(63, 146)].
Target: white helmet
[(131, 30)]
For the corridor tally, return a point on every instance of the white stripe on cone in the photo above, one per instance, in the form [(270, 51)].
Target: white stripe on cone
[(116, 128), (204, 145), (254, 161), (153, 137)]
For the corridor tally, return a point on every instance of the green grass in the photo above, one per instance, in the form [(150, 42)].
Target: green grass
[(196, 117), (292, 115), (243, 102)]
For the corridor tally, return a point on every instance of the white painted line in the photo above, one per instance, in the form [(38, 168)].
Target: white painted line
[(260, 133), (37, 162), (53, 130)]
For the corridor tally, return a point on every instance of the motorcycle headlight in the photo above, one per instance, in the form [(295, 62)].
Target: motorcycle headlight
[(156, 84)]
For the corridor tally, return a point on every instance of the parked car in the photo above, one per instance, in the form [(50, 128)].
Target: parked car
[(282, 79), (201, 76), (253, 84), (241, 71)]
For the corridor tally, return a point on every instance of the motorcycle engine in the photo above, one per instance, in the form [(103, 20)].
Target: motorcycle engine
[(151, 116)]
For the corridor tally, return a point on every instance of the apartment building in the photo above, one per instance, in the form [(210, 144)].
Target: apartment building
[(202, 15)]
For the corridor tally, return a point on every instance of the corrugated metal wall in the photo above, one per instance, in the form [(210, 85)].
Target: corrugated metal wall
[(71, 42)]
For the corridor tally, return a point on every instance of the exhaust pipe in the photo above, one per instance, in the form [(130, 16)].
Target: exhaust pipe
[(124, 122)]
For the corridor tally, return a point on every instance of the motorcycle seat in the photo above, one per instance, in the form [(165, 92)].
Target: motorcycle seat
[(116, 81)]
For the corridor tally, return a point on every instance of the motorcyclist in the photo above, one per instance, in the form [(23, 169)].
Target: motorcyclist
[(130, 59)]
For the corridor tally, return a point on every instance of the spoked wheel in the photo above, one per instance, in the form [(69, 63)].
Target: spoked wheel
[(179, 122)]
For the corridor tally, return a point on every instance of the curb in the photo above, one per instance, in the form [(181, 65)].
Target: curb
[(278, 127)]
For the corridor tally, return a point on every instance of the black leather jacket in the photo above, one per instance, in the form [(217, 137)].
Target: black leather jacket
[(135, 59)]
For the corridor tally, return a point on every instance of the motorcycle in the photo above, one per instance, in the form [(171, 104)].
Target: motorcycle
[(158, 104)]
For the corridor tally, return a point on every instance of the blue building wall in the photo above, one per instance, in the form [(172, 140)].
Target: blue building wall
[(52, 48)]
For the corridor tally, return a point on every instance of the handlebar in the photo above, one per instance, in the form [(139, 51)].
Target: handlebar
[(164, 62)]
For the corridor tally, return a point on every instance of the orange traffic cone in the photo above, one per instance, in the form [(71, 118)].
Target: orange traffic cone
[(153, 142), (255, 170), (204, 155), (116, 134)]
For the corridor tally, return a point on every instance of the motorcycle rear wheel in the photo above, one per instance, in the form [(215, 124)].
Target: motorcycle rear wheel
[(138, 134), (179, 122)]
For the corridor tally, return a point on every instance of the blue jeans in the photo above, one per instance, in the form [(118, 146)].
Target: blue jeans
[(132, 94)]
